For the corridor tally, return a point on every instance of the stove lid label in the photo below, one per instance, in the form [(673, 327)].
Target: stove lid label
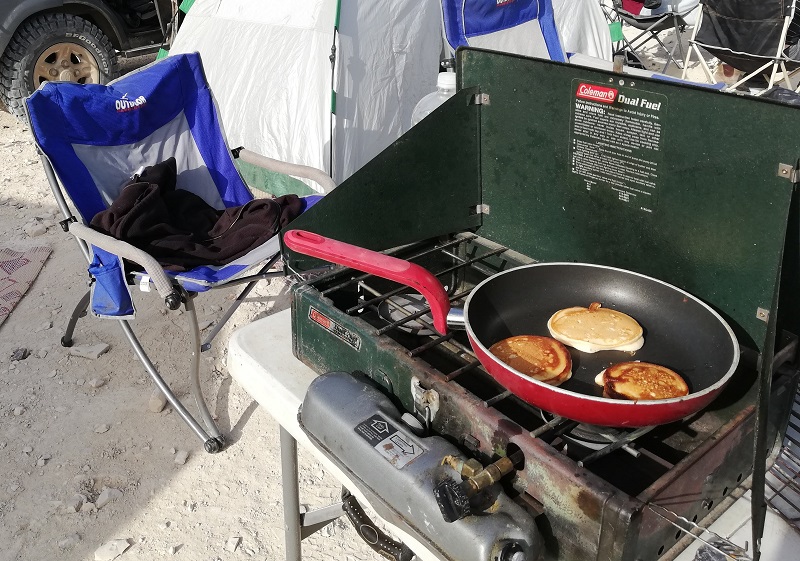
[(616, 144), (397, 447), (335, 328)]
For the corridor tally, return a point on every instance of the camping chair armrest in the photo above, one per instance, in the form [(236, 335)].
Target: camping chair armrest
[(125, 250), (296, 170)]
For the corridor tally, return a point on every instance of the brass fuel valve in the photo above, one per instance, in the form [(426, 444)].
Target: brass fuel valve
[(454, 497)]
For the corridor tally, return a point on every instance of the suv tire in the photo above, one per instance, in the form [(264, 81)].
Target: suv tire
[(53, 47)]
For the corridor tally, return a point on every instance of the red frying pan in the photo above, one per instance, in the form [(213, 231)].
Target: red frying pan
[(681, 332)]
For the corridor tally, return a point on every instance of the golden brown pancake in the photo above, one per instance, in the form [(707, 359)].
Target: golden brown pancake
[(541, 358), (595, 329), (639, 381), (560, 379)]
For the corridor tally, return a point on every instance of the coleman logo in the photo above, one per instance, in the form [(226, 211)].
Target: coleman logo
[(317, 317), (126, 104), (503, 2), (334, 328), (597, 93)]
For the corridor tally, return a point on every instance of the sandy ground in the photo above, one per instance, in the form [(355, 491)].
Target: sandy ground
[(73, 427)]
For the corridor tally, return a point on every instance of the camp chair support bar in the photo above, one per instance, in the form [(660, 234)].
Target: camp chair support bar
[(651, 33), (77, 313), (252, 280), (197, 391), (257, 277), (296, 170), (211, 443)]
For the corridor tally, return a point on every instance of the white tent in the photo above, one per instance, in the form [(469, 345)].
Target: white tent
[(269, 66)]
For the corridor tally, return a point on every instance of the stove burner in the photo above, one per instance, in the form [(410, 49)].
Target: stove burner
[(592, 437), (595, 437), (397, 308)]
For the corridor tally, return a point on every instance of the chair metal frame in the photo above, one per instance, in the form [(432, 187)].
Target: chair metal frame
[(173, 293), (650, 27)]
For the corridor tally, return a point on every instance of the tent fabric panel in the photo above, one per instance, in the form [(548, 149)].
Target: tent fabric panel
[(271, 79), (583, 28), (298, 14), (388, 59), (272, 74), (272, 104)]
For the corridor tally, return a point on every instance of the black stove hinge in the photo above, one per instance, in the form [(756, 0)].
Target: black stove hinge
[(453, 497), (374, 537)]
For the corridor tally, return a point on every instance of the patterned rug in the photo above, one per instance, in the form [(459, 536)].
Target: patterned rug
[(17, 272)]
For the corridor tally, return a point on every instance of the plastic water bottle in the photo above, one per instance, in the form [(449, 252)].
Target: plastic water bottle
[(445, 88)]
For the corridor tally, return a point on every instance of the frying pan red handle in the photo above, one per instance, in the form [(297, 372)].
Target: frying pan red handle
[(384, 266)]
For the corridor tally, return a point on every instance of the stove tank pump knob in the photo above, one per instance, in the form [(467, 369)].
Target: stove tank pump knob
[(445, 88)]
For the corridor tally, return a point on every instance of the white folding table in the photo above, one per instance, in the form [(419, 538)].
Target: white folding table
[(260, 359)]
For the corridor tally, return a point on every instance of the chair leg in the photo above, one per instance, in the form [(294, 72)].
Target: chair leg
[(679, 37), (77, 313), (211, 443), (236, 303), (197, 391), (670, 53), (227, 315)]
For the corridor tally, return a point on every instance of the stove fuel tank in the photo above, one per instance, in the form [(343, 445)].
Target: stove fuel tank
[(362, 432)]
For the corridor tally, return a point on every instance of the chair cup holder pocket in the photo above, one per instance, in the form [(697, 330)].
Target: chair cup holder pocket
[(111, 297)]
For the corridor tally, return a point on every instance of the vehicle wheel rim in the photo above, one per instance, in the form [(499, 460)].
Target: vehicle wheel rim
[(66, 62)]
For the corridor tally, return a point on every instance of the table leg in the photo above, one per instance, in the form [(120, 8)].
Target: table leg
[(291, 496)]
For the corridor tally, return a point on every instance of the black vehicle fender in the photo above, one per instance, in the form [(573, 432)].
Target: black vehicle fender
[(96, 11)]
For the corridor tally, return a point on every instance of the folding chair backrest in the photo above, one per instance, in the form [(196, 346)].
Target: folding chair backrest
[(746, 28), (96, 137), (524, 27)]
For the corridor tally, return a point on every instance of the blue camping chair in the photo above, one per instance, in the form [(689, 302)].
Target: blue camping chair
[(94, 139), (523, 27)]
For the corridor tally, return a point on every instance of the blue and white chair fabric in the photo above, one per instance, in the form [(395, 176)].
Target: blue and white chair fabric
[(95, 138), (524, 27)]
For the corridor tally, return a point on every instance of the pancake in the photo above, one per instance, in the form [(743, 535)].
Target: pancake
[(560, 379), (596, 329), (640, 381), (541, 358)]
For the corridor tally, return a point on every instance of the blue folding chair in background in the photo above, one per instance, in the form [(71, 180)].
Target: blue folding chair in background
[(95, 140), (523, 27)]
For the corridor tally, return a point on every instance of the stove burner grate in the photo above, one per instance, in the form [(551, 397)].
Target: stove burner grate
[(396, 311)]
